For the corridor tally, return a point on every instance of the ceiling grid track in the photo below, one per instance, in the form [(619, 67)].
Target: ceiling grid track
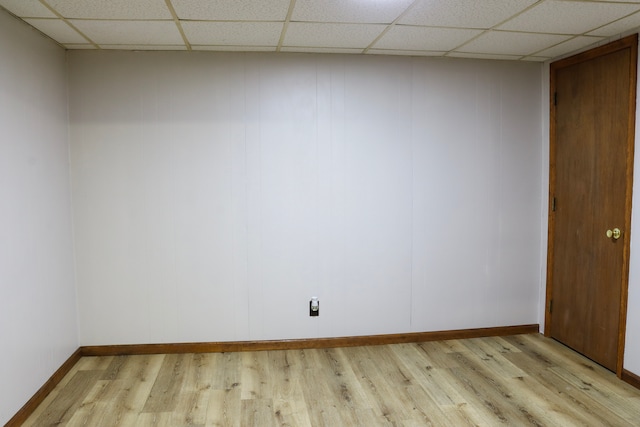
[(172, 10), (66, 21), (286, 25), (386, 30)]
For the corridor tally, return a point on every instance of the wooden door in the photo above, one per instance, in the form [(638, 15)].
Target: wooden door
[(592, 134)]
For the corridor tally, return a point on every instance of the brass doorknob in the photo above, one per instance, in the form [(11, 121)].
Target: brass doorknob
[(615, 233)]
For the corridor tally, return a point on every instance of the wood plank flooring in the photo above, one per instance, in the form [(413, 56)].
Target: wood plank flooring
[(522, 380)]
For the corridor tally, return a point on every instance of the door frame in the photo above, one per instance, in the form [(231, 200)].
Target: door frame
[(630, 42)]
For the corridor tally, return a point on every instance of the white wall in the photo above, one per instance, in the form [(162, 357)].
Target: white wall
[(38, 316), (214, 194), (632, 342)]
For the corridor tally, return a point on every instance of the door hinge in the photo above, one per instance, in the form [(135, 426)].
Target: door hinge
[(551, 306), (553, 204)]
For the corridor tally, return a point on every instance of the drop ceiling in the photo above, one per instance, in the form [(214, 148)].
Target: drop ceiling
[(527, 30)]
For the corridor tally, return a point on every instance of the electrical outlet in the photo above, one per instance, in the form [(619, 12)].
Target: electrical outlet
[(314, 307)]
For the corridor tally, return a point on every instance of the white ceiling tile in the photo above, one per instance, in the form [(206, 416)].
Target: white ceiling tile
[(420, 27), (354, 11), (320, 50), (234, 48), (484, 56), (535, 58), (508, 43), (231, 10), (568, 17), (79, 46), (404, 52), (27, 8), (303, 34), (130, 32), (618, 27), (58, 30), (142, 47), (569, 46), (112, 9), (233, 33), (402, 37), (464, 13)]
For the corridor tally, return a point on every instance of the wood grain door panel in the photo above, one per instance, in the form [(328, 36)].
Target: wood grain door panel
[(591, 144)]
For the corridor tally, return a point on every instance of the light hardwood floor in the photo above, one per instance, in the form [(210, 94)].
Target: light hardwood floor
[(513, 381)]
